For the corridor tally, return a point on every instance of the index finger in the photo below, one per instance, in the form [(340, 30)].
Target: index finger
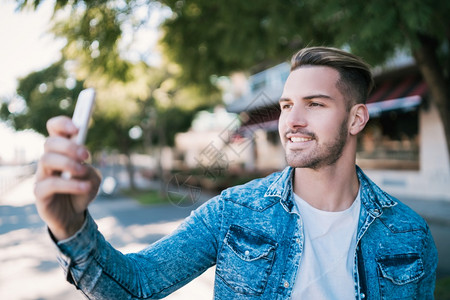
[(61, 126)]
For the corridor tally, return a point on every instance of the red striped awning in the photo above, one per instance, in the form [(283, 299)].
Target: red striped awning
[(397, 94)]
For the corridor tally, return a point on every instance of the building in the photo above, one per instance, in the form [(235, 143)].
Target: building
[(402, 149)]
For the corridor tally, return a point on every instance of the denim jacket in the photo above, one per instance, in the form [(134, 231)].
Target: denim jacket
[(253, 234)]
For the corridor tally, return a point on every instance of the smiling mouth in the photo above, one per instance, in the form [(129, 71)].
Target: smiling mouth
[(300, 139)]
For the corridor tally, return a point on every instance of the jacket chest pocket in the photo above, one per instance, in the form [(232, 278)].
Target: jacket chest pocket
[(399, 275), (245, 260)]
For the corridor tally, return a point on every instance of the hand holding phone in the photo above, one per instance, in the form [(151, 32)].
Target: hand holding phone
[(81, 117)]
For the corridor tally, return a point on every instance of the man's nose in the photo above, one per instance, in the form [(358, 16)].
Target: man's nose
[(296, 117)]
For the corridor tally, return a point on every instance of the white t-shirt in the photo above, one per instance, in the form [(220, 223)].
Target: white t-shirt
[(326, 267)]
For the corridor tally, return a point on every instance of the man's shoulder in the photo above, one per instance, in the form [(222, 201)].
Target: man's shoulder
[(402, 218), (395, 215), (253, 193)]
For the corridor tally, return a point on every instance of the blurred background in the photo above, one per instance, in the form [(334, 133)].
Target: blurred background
[(187, 105)]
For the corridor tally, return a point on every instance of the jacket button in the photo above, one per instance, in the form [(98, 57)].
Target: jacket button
[(363, 296), (286, 284), (246, 253)]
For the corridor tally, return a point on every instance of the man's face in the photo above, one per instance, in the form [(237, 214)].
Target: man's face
[(313, 122)]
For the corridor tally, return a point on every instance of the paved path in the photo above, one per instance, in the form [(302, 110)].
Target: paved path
[(27, 256)]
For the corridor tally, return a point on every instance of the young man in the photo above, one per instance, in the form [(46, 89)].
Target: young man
[(320, 229)]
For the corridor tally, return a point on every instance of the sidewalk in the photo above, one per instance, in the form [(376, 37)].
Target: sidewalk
[(29, 270)]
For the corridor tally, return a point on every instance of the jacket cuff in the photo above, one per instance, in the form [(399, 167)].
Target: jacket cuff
[(78, 247)]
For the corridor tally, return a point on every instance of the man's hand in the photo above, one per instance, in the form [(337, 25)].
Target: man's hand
[(62, 203)]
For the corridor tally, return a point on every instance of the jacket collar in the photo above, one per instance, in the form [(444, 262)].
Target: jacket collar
[(373, 198), (282, 188), (281, 185)]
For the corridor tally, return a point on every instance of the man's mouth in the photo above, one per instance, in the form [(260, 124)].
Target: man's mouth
[(296, 139)]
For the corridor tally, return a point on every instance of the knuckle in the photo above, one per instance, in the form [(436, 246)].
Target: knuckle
[(43, 162), (69, 165), (42, 188), (36, 190), (52, 124), (49, 124), (57, 125), (39, 173), (60, 145), (47, 144)]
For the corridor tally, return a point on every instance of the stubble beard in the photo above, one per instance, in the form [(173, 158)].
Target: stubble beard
[(322, 155)]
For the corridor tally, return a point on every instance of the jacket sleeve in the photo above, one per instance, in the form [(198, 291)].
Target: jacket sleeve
[(102, 272), (430, 260)]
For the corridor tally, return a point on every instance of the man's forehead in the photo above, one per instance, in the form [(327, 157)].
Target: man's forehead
[(311, 80), (315, 68)]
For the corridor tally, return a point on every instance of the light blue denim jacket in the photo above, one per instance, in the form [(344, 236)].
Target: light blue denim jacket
[(253, 234)]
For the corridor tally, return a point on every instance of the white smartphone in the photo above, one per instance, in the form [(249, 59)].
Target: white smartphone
[(81, 116), (82, 113)]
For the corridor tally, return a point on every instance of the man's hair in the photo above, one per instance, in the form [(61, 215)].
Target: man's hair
[(355, 81)]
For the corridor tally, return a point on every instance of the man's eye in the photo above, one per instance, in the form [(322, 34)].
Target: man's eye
[(286, 106), (315, 104)]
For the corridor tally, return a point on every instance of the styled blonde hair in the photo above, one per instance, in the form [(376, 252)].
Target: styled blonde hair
[(355, 82)]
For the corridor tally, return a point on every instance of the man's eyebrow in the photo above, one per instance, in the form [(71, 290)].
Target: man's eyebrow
[(314, 96), (310, 97)]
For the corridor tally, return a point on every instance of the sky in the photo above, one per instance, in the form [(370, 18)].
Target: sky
[(25, 47)]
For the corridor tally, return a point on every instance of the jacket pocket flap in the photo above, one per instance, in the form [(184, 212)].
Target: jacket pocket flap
[(249, 245), (401, 268)]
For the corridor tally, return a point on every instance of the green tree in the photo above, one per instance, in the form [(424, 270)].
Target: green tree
[(120, 106), (217, 37), (45, 94), (210, 37)]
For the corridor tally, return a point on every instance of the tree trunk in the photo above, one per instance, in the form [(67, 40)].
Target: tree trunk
[(427, 61), (130, 170), (129, 165), (161, 143)]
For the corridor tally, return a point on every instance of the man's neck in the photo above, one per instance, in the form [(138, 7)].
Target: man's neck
[(330, 188)]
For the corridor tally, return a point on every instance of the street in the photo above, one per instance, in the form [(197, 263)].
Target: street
[(29, 270)]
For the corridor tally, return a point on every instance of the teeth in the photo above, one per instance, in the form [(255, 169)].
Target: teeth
[(300, 139)]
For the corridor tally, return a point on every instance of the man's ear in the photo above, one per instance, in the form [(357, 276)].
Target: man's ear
[(359, 116)]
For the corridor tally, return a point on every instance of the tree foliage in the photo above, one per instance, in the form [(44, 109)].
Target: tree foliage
[(93, 31), (152, 96), (45, 95), (210, 37), (217, 37)]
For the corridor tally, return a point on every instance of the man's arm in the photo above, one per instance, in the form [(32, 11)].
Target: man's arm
[(91, 263), (102, 272), (430, 260)]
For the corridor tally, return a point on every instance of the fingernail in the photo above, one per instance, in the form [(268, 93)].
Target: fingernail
[(70, 127), (84, 186), (80, 168), (82, 153)]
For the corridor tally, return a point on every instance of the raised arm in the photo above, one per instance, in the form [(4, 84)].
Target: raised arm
[(90, 262)]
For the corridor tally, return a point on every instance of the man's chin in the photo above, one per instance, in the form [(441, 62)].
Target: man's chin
[(296, 164), (302, 164)]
